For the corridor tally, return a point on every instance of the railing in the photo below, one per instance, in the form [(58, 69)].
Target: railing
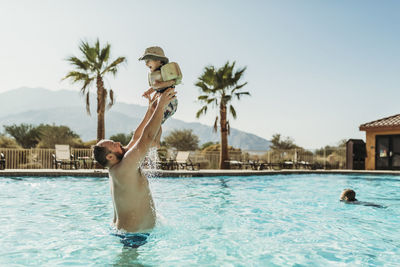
[(213, 157), (43, 159), (36, 158), (324, 159)]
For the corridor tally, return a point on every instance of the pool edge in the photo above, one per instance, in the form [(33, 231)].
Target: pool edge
[(183, 173)]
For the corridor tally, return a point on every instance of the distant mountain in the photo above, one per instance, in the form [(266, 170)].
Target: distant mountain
[(38, 105)]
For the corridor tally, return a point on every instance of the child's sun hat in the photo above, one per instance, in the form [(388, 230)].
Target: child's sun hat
[(154, 53)]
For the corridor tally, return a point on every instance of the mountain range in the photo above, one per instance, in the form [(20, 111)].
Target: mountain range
[(66, 107)]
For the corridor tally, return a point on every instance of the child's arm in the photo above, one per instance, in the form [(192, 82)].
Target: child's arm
[(160, 85)]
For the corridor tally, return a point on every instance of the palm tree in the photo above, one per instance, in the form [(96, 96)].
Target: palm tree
[(90, 69), (219, 87)]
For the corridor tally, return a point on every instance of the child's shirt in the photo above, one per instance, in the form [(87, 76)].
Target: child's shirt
[(167, 72)]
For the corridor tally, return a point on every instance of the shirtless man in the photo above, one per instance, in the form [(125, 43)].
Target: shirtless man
[(133, 204)]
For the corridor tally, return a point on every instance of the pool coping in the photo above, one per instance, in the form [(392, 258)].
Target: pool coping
[(181, 173)]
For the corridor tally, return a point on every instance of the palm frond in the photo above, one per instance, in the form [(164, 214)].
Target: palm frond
[(239, 74), (111, 95), (201, 111), (82, 65), (104, 54), (88, 103), (202, 98), (241, 93), (97, 47), (204, 88), (232, 111), (215, 128), (238, 87), (113, 66), (208, 76), (89, 53), (86, 84), (210, 100), (76, 76)]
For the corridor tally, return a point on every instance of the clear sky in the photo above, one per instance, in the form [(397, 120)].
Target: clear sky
[(316, 69)]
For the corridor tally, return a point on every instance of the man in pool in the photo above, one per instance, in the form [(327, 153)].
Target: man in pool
[(133, 204)]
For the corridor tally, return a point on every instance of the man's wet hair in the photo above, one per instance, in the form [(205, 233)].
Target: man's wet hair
[(348, 195), (100, 154)]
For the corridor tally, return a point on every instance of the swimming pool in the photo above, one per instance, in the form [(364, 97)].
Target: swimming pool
[(232, 221)]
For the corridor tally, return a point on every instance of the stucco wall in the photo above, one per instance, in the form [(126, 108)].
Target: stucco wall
[(370, 144)]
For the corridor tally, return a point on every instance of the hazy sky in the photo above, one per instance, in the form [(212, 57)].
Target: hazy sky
[(316, 69)]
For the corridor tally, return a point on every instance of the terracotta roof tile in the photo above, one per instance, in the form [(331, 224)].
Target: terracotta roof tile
[(385, 123)]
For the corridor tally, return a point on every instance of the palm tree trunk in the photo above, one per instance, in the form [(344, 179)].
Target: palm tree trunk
[(223, 164), (101, 106)]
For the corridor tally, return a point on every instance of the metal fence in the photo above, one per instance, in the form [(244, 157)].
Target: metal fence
[(323, 159), (36, 158)]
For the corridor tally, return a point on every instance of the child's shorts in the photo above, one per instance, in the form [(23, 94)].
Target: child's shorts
[(170, 110)]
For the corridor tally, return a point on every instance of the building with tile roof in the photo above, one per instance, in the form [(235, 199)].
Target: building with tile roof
[(382, 143)]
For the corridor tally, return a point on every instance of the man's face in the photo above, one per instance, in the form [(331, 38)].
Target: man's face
[(153, 64), (114, 147)]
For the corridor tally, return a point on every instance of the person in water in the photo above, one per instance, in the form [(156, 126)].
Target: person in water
[(134, 211), (349, 197)]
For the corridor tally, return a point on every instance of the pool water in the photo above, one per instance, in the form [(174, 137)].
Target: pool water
[(279, 220)]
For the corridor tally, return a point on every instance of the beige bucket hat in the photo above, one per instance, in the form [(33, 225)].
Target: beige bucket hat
[(154, 52)]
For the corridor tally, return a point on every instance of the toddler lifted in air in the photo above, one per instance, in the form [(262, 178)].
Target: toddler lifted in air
[(162, 76)]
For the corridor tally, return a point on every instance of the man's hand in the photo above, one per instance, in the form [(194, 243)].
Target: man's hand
[(147, 94), (153, 101), (167, 97)]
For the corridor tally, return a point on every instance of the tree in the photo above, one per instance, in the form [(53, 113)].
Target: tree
[(26, 135), (92, 68), (217, 147), (218, 88), (122, 138), (278, 144), (7, 142), (50, 135), (207, 144), (328, 150), (183, 140)]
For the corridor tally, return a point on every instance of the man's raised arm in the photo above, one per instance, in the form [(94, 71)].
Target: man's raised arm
[(150, 131), (138, 132)]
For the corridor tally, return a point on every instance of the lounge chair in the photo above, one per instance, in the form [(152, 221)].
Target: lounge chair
[(234, 164), (2, 162), (303, 165), (288, 165), (183, 161), (63, 157), (254, 165), (164, 164)]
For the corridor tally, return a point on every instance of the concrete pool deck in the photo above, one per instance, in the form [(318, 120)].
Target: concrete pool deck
[(179, 173)]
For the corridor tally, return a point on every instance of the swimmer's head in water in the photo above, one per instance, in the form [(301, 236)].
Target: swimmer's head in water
[(348, 195), (108, 152)]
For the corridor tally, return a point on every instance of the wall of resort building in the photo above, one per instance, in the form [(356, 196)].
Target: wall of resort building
[(370, 161), (383, 143)]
